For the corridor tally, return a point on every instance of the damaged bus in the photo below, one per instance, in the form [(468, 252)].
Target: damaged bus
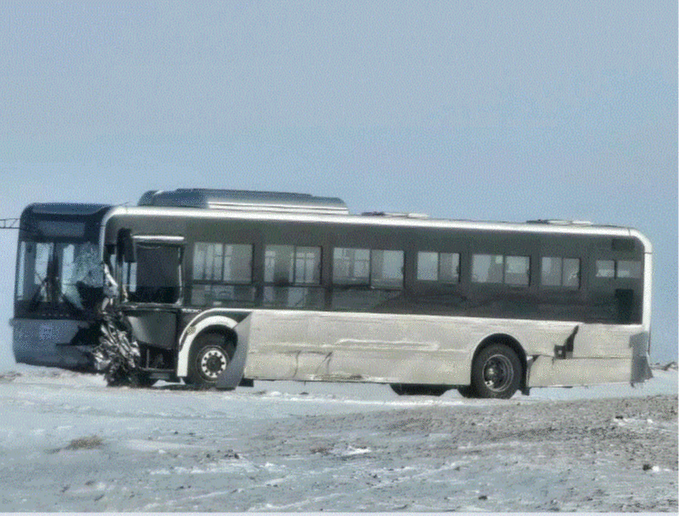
[(58, 284), (219, 288)]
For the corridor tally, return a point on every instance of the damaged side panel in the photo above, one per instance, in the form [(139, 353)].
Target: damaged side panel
[(353, 347), (426, 350), (549, 371), (596, 354), (388, 348)]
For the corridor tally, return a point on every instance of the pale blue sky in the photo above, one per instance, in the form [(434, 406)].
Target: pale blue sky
[(472, 109)]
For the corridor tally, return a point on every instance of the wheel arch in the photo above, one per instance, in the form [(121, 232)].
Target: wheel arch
[(199, 326), (512, 343), (227, 332)]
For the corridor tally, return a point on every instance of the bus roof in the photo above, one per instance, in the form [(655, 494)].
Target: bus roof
[(244, 200), (383, 219), (64, 208)]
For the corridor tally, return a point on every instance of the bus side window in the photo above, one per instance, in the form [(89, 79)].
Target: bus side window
[(427, 266), (605, 269), (299, 265), (387, 269), (294, 275), (308, 265), (628, 269), (364, 279), (351, 266), (437, 267), (571, 273), (517, 271), (279, 265), (488, 269), (551, 271), (449, 268), (222, 274), (560, 272)]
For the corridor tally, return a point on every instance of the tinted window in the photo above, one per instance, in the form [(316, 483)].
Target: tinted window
[(442, 267), (231, 263), (488, 269), (308, 265), (517, 271), (449, 267), (427, 266), (279, 264), (571, 272), (551, 271), (387, 269), (351, 266), (605, 269), (628, 269), (560, 272), (292, 265)]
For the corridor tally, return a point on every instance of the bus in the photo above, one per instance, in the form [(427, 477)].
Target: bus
[(58, 285), (227, 287)]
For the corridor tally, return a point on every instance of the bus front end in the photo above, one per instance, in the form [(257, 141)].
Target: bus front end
[(58, 285)]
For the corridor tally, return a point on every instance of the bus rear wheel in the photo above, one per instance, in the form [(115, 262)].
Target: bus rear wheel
[(497, 372), (209, 357)]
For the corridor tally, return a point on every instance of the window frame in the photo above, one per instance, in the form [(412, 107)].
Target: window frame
[(637, 269), (438, 267), (221, 270), (211, 287), (504, 270), (372, 282), (561, 284), (294, 273)]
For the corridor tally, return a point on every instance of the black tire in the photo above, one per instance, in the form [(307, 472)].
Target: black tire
[(210, 354), (497, 372), (419, 389)]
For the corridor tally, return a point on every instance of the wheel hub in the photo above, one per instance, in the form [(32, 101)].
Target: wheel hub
[(497, 373), (213, 363)]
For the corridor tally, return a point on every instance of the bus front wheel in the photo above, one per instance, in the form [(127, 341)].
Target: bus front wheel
[(497, 372), (209, 357)]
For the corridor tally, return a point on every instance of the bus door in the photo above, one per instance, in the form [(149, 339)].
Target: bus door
[(152, 289)]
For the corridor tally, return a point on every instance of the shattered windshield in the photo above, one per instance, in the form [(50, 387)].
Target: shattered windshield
[(59, 273)]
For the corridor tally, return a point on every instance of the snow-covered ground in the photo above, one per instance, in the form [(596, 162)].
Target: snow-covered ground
[(69, 443)]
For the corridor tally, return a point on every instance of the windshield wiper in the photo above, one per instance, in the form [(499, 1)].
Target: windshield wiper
[(35, 299)]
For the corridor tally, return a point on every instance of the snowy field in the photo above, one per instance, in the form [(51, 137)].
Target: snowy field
[(69, 443)]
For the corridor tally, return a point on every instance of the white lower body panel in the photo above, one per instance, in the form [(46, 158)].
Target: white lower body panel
[(389, 348)]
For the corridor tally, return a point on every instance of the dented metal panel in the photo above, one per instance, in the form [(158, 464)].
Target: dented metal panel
[(428, 350), (359, 347), (549, 371)]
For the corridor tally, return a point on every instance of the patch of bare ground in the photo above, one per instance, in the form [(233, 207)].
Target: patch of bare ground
[(520, 455), (85, 442)]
